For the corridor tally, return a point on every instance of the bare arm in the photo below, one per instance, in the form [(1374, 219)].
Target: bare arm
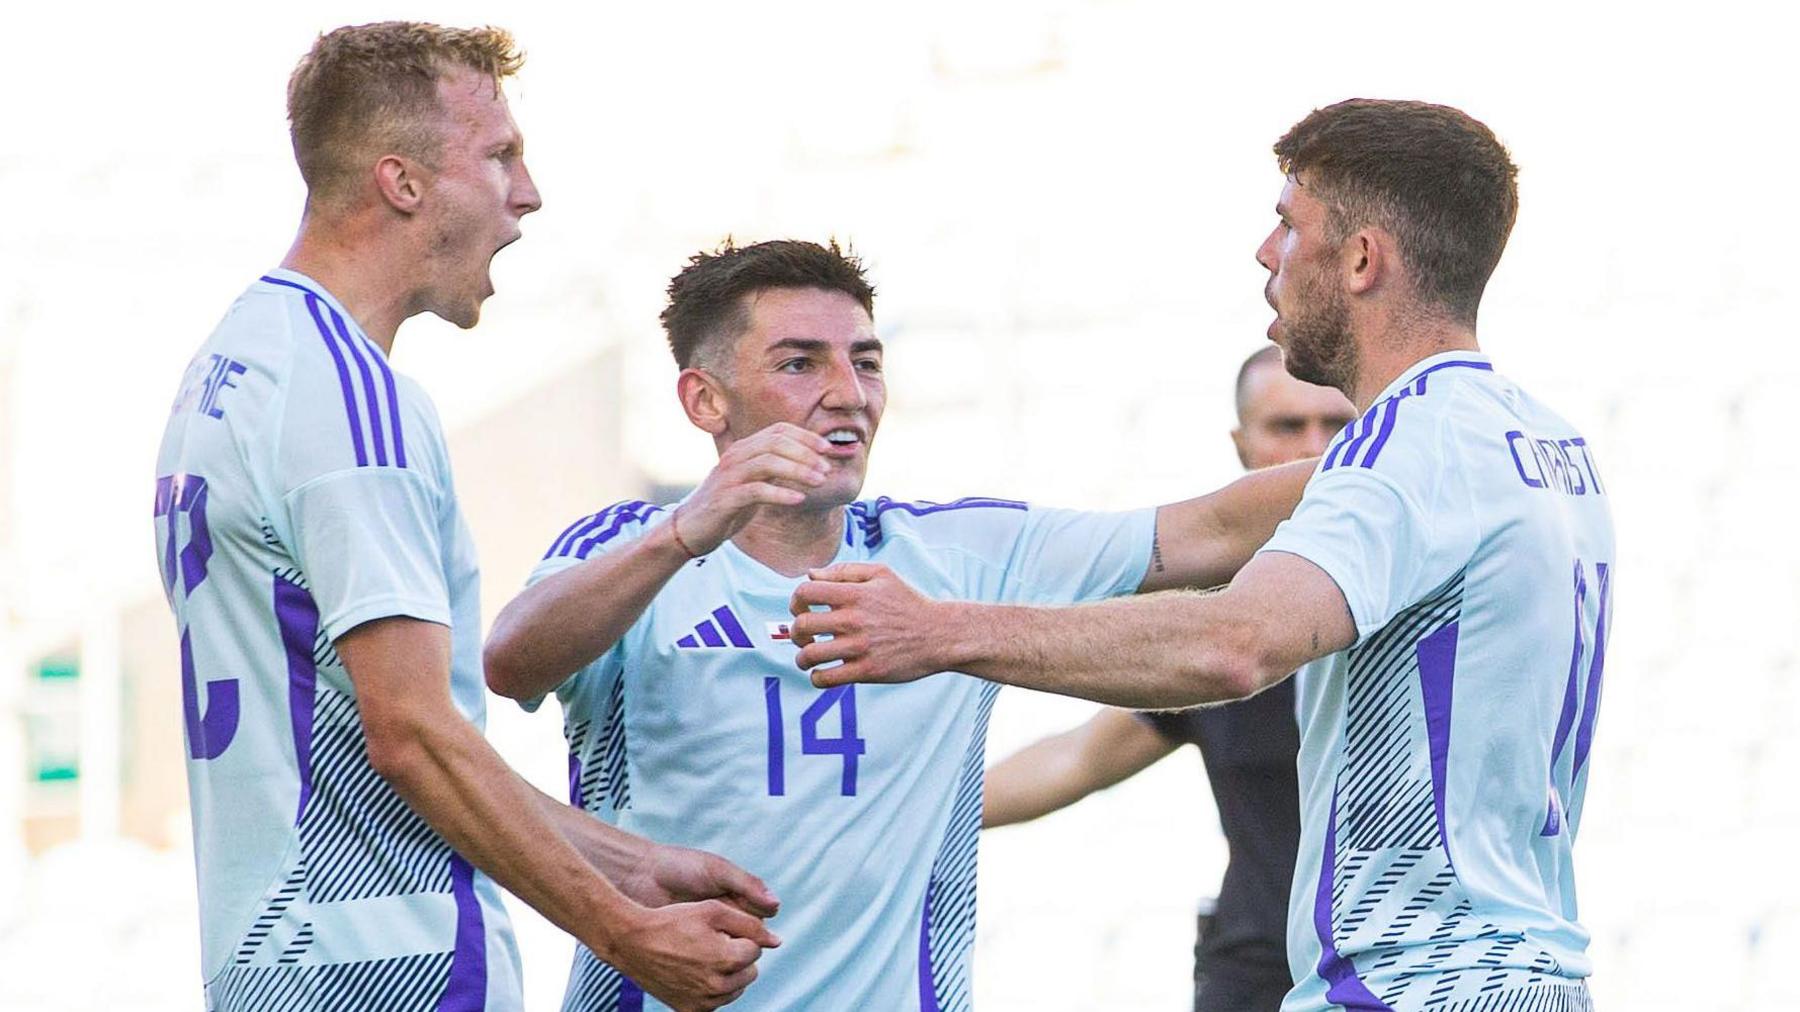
[(1203, 542), (1060, 770), (559, 625), (1177, 648), (697, 955)]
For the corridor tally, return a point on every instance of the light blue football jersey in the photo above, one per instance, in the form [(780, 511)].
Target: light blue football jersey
[(1443, 756), (302, 489), (860, 806)]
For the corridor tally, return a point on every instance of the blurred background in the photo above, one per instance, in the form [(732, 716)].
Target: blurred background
[(1059, 202)]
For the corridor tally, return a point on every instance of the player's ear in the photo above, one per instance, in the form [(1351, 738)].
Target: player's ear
[(1237, 440), (1367, 256), (703, 398), (399, 182)]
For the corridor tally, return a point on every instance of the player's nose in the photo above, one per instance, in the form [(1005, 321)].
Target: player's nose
[(844, 389), (526, 198)]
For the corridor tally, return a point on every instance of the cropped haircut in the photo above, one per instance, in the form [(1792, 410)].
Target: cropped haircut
[(1266, 355), (364, 91), (707, 300), (1432, 176)]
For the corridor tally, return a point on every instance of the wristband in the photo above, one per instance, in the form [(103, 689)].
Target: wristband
[(676, 534)]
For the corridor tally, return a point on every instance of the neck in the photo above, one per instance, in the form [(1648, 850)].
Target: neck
[(358, 271), (793, 540), (1396, 345)]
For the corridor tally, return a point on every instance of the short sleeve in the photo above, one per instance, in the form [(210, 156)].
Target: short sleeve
[(1387, 538), (369, 541), (609, 530), (1064, 556)]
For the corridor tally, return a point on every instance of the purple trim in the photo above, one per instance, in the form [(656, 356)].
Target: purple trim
[(298, 617), (368, 378), (868, 514), (387, 377), (466, 990), (733, 631), (1418, 382), (709, 635), (343, 371), (1337, 448), (1584, 735), (777, 737), (1387, 427), (1355, 439), (927, 986), (1437, 672), (626, 514), (631, 996), (575, 780), (1339, 972)]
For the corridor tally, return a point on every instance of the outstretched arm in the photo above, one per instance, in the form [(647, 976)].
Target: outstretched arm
[(560, 624), (1172, 649), (1203, 542), (1060, 770)]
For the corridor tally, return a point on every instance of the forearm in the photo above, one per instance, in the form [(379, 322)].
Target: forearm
[(559, 625), (1166, 650), (495, 820), (1060, 770), (610, 850), (1203, 542), (1032, 782)]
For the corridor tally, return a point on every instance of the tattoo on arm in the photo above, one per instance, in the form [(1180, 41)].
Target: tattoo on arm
[(1156, 562), (1315, 641)]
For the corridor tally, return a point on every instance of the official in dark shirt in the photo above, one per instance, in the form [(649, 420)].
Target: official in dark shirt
[(1240, 956), (1249, 747)]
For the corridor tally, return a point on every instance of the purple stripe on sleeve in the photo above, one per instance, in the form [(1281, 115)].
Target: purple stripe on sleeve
[(466, 991), (1590, 710), (368, 378), (1388, 415), (1437, 671), (636, 512), (631, 996), (733, 631), (556, 546), (298, 616), (1354, 433), (575, 780), (1365, 429), (1339, 973), (927, 986), (387, 377), (343, 371)]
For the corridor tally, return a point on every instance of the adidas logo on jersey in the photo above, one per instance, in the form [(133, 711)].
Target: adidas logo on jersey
[(727, 632)]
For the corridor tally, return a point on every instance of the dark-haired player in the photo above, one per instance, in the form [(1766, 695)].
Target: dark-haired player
[(663, 631)]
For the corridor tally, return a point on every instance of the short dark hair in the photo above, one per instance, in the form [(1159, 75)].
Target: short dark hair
[(364, 91), (1434, 177), (707, 299), (1265, 355)]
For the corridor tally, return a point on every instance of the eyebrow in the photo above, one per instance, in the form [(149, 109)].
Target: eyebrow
[(812, 344)]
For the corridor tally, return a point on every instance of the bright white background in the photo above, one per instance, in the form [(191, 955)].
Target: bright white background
[(1059, 202)]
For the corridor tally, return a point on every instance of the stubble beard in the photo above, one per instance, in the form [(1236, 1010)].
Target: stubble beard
[(1319, 348)]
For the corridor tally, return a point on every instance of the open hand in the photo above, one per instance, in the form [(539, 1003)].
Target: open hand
[(880, 627), (774, 466), (691, 955)]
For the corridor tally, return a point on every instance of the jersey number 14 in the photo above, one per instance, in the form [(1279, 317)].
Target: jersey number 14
[(845, 744)]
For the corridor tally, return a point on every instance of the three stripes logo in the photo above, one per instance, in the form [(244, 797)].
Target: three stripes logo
[(722, 630)]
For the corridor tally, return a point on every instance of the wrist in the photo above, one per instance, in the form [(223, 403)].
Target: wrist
[(957, 639), (614, 918)]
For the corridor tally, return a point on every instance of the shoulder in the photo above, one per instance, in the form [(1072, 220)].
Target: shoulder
[(972, 522), (1413, 436), (595, 531)]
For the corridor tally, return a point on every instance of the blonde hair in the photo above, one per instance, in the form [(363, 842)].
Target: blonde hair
[(364, 91)]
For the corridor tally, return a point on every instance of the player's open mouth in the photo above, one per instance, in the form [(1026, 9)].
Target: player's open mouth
[(843, 440)]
